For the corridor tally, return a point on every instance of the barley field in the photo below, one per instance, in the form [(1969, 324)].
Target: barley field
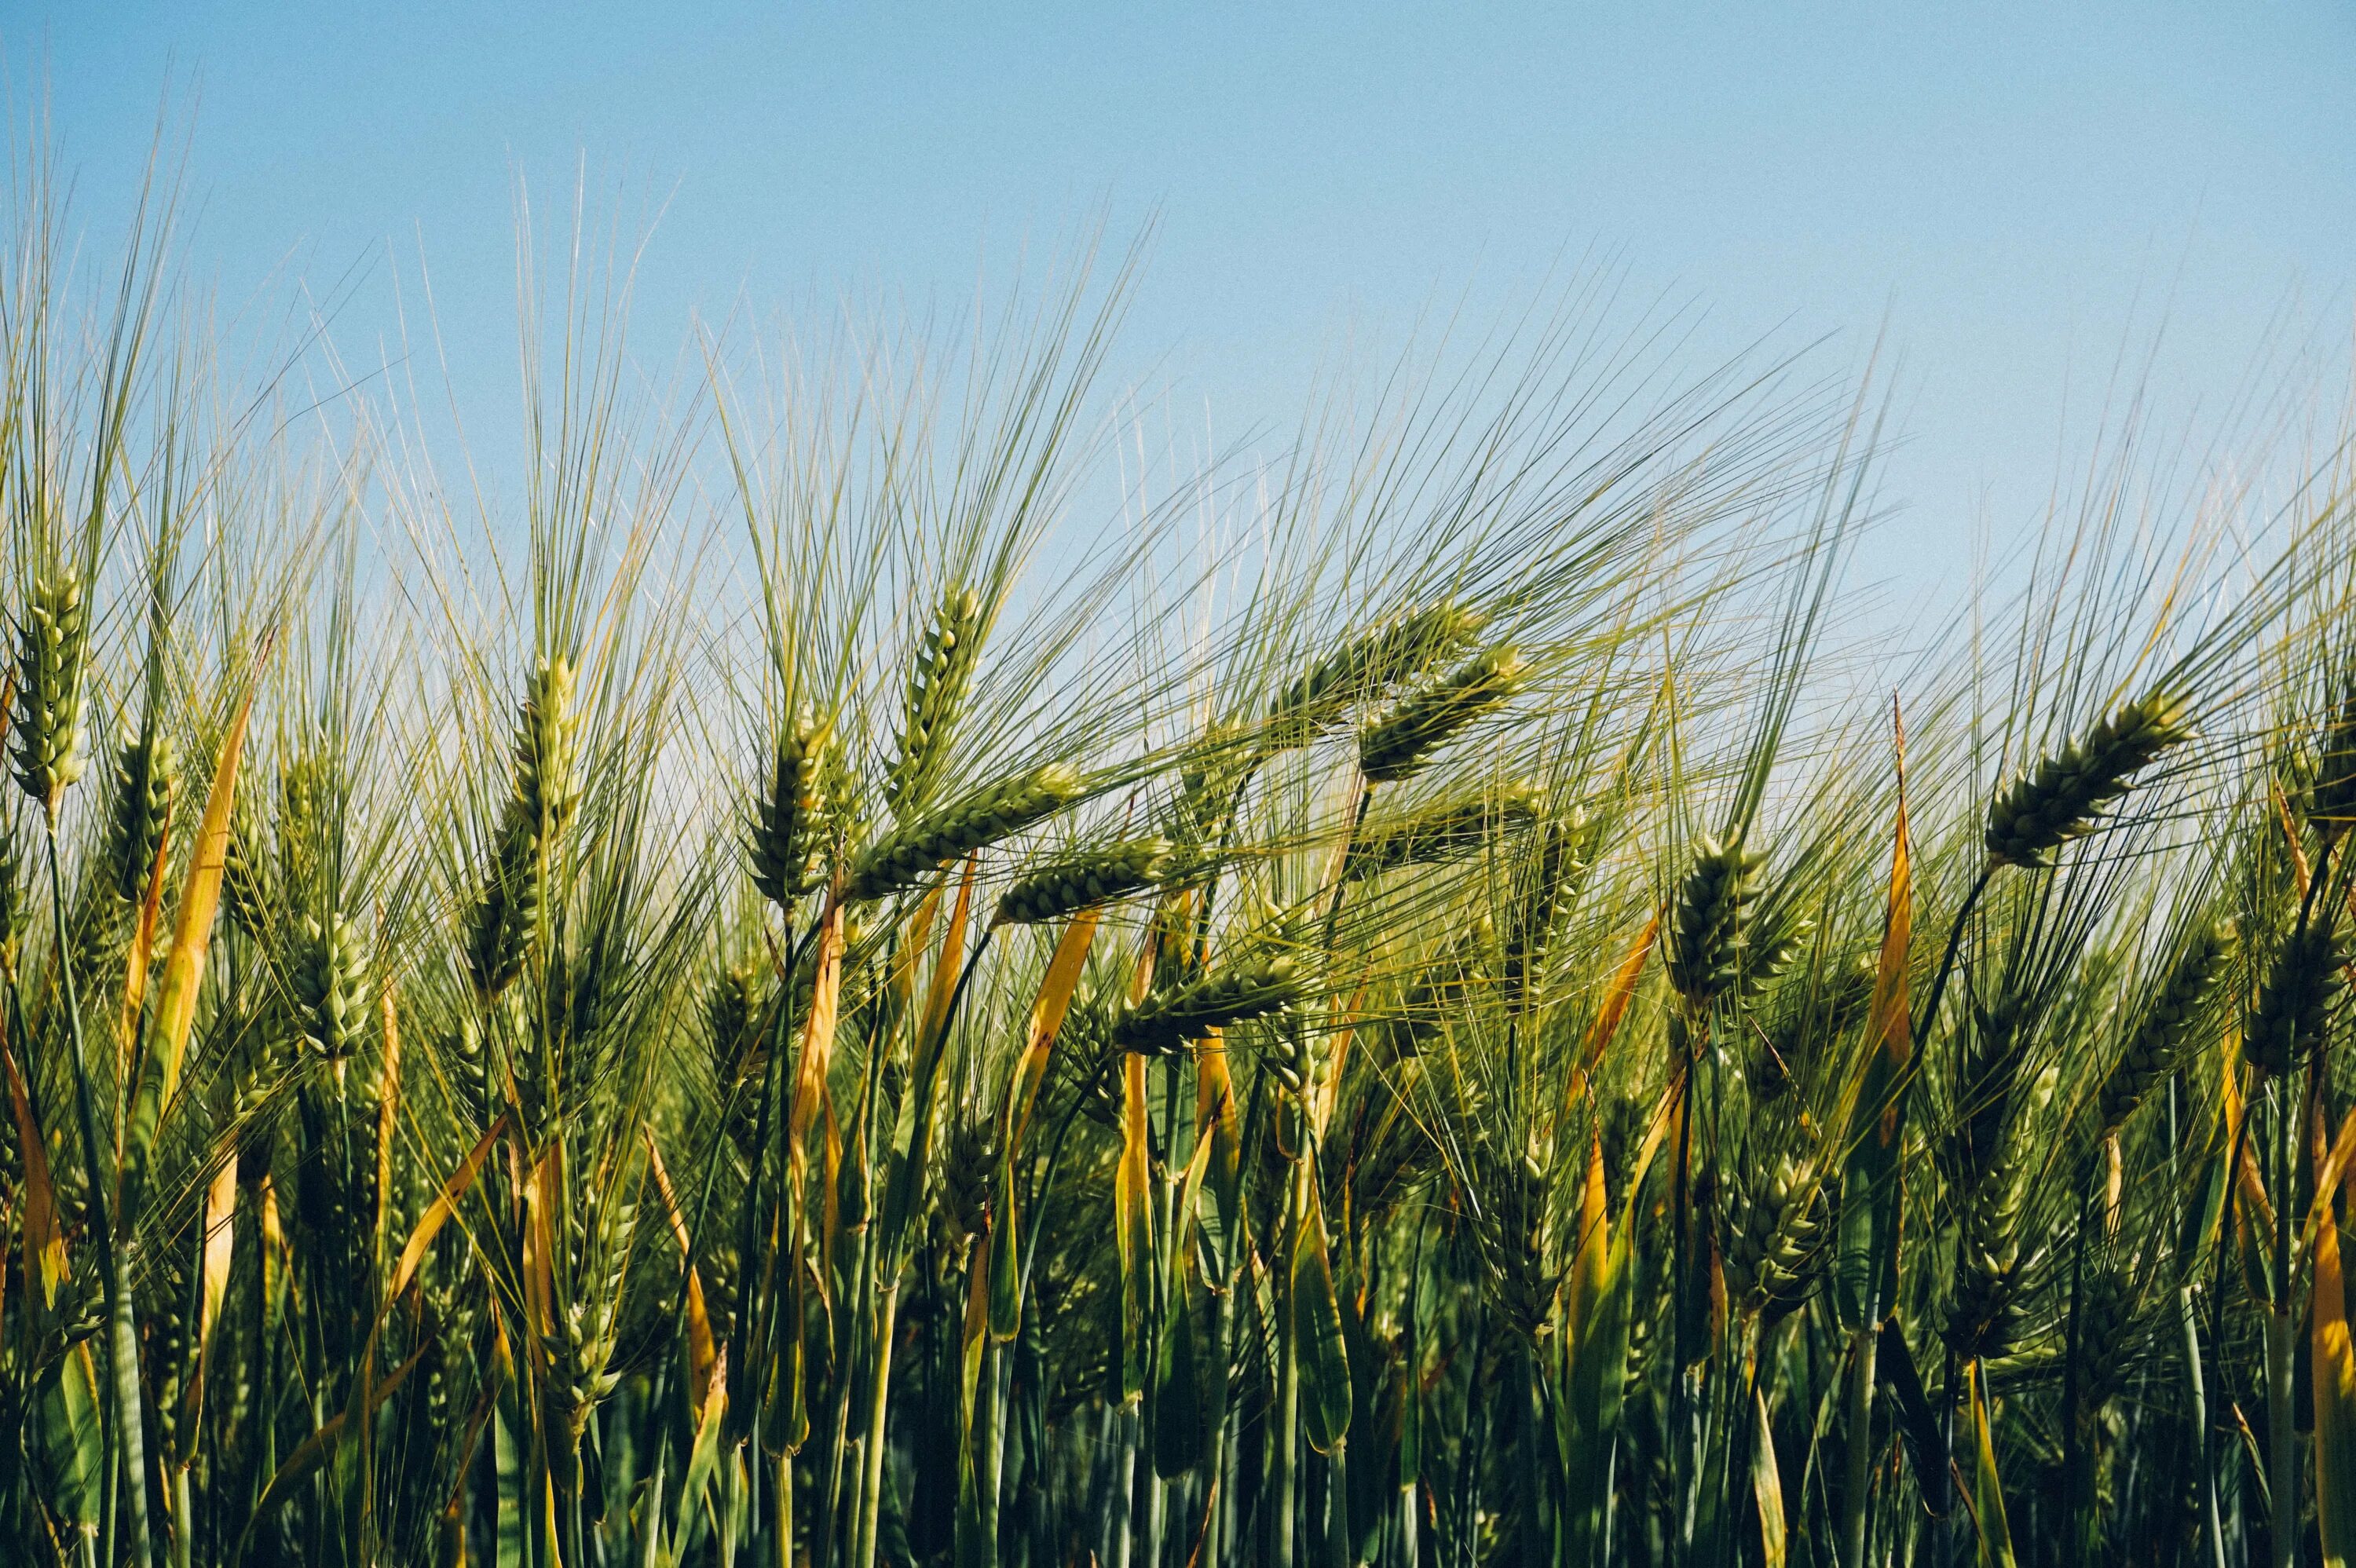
[(813, 991)]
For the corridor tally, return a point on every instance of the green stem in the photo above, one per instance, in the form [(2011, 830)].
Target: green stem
[(1337, 1505), (783, 1525), (2281, 1468), (2211, 1522), (2075, 1490), (1859, 1439), (871, 1485), (755, 1263), (113, 1261), (1286, 1432), (998, 1379)]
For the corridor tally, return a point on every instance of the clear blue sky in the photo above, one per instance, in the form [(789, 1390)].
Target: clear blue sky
[(2020, 190)]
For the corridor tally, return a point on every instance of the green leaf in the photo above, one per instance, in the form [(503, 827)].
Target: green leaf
[(1178, 1425), (1317, 1330), (67, 1439)]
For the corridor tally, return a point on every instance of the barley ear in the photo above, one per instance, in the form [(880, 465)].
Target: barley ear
[(1529, 932), (1085, 880), (938, 678), (331, 987), (2158, 1043), (907, 857), (52, 649), (542, 796), (789, 818), (1167, 1022), (145, 776), (2295, 1001), (1386, 654), (1401, 744), (2064, 796), (1707, 929)]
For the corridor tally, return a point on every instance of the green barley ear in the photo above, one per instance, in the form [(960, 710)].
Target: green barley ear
[(505, 913), (1529, 932), (2295, 1003), (904, 858), (1086, 1062), (331, 987), (1782, 940), (254, 1120), (1454, 830), (2064, 796), (1167, 1022), (1210, 778), (1777, 1239), (789, 819), (1984, 1313), (969, 1163), (1827, 1009), (53, 646), (1706, 931), (1085, 879), (1386, 654), (937, 682), (1099, 1092), (1509, 1230), (733, 1012), (245, 868), (1398, 745), (542, 796), (14, 909), (2159, 1037), (1993, 1056), (580, 1340), (146, 775), (2107, 1333), (305, 803), (545, 788)]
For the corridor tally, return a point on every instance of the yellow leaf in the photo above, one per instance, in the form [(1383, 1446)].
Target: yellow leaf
[(539, 1251), (184, 969), (437, 1214), (1057, 989), (1593, 1255), (45, 1244), (1892, 1023), (818, 1032), (699, 1319), (973, 1335), (1767, 1486), (1133, 1223), (1608, 1019), (1889, 1030), (2333, 1362), (220, 1236), (142, 952), (1216, 1111), (388, 1103), (1995, 1530), (1047, 1011), (944, 973)]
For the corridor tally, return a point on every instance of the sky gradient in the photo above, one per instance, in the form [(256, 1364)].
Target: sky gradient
[(2019, 193)]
